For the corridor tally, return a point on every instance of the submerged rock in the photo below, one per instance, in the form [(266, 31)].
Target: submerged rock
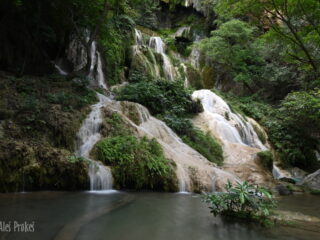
[(283, 190)]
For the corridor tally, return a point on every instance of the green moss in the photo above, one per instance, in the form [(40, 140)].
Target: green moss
[(266, 159), (116, 40), (136, 163), (315, 192), (208, 77), (194, 77), (205, 145)]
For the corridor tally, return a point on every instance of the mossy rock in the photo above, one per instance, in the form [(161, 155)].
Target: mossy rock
[(137, 163), (266, 159), (194, 78), (32, 167), (196, 184), (208, 77)]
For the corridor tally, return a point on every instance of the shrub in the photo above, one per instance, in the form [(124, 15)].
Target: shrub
[(242, 201), (136, 163), (266, 159), (204, 144), (161, 96)]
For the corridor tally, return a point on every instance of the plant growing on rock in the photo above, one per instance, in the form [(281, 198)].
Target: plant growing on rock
[(137, 163), (245, 201)]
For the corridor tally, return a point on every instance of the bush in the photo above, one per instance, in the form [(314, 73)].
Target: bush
[(136, 163), (161, 97), (266, 159), (242, 201), (204, 144)]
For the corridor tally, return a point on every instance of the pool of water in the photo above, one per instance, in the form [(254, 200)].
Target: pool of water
[(138, 216)]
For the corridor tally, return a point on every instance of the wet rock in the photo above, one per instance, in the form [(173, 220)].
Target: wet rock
[(288, 180), (298, 173), (313, 180), (283, 190)]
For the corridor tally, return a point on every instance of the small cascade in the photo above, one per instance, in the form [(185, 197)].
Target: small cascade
[(237, 136), (88, 135), (59, 69), (158, 45), (277, 174), (138, 37), (183, 178), (214, 183), (93, 53), (100, 177), (229, 126), (185, 71), (100, 74)]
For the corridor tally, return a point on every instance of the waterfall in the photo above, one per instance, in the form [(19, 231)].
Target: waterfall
[(100, 75), (138, 37), (229, 126), (186, 158), (276, 172), (93, 52), (183, 179), (61, 72), (158, 45), (89, 134), (237, 136)]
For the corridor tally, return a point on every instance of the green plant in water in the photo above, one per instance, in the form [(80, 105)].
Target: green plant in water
[(246, 201)]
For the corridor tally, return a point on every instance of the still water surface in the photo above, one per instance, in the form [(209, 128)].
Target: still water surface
[(139, 216)]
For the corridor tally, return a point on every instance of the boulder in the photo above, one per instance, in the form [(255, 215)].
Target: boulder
[(283, 190), (312, 180)]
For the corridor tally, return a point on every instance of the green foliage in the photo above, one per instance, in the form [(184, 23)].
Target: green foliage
[(291, 26), (243, 201), (289, 131), (302, 110), (75, 159), (172, 103), (161, 97), (266, 159), (136, 163), (205, 145), (233, 52), (116, 40)]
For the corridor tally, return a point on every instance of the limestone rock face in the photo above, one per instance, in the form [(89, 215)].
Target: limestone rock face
[(313, 180)]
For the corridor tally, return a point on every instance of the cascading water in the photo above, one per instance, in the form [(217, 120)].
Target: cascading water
[(138, 37), (158, 45), (228, 125), (89, 133), (188, 161), (237, 136), (59, 69)]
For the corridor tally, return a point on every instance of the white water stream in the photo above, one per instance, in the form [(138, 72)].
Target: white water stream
[(158, 45), (89, 133)]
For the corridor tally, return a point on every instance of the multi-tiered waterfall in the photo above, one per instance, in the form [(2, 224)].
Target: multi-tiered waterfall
[(154, 45), (89, 133), (237, 135)]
